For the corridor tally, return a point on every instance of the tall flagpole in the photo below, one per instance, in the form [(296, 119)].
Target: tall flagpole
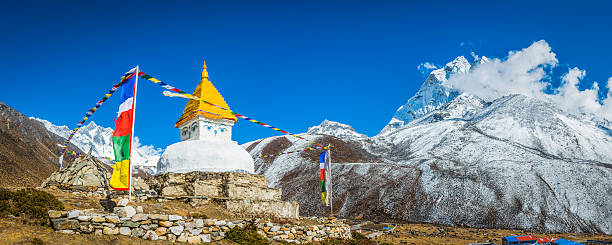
[(133, 123), (331, 203)]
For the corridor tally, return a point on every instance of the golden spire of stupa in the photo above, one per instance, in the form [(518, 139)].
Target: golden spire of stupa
[(206, 91), (204, 72)]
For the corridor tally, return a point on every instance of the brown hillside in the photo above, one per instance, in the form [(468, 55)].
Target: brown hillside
[(28, 152)]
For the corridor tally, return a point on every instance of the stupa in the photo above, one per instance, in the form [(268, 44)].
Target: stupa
[(206, 137)]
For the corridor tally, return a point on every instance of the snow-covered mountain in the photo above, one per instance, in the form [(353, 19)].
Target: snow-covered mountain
[(453, 158), (433, 94), (336, 129), (99, 140)]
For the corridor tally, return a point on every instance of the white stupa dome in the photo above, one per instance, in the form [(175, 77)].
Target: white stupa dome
[(208, 155)]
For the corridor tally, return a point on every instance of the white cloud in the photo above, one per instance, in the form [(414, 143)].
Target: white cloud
[(606, 108), (426, 67), (525, 72)]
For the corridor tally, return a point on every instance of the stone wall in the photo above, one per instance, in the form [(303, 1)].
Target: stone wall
[(245, 194), (130, 221), (213, 184)]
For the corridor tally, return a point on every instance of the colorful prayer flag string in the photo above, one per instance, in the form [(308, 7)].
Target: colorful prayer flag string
[(91, 111), (74, 153), (296, 151), (182, 94)]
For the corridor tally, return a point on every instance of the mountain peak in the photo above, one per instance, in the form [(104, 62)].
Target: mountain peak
[(458, 65), (335, 129), (431, 96)]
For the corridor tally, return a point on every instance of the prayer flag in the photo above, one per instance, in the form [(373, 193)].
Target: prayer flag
[(122, 136), (325, 177), (61, 161)]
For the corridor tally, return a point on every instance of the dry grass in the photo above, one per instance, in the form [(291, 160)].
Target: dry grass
[(13, 231), (434, 234)]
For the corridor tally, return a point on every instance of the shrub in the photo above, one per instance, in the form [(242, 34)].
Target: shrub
[(248, 235), (31, 203), (358, 239), (199, 216), (37, 241)]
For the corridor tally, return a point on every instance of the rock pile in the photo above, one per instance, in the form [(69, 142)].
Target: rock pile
[(131, 221), (85, 173)]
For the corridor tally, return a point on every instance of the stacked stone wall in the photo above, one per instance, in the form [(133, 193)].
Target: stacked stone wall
[(130, 221), (244, 194)]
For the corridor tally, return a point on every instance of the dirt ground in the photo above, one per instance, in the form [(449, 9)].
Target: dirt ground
[(433, 234)]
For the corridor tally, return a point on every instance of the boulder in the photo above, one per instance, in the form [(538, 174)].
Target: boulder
[(205, 238), (125, 212), (195, 231), (177, 230), (73, 214), (182, 238), (139, 217), (64, 224), (110, 231), (151, 235), (138, 232), (54, 214), (126, 231), (160, 231), (130, 224), (123, 202), (194, 240), (112, 219), (159, 217), (174, 217)]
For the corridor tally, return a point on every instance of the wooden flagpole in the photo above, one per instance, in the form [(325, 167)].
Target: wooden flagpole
[(133, 129), (331, 203)]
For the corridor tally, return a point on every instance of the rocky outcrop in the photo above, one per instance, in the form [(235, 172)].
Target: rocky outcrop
[(86, 172), (241, 193)]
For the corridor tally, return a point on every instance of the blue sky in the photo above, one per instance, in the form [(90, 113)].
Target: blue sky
[(289, 64)]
